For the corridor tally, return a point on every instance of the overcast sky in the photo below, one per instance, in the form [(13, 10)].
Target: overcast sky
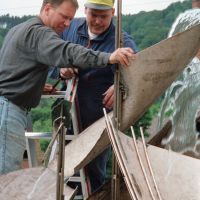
[(32, 7)]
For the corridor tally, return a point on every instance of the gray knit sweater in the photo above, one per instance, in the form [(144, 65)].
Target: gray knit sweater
[(28, 49)]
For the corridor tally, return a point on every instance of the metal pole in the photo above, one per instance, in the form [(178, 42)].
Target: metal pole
[(117, 104), (60, 164)]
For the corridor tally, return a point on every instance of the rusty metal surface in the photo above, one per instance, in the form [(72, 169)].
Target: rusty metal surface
[(154, 69), (17, 185), (177, 176), (22, 185)]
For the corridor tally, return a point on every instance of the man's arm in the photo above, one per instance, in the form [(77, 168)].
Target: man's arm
[(53, 51), (108, 99)]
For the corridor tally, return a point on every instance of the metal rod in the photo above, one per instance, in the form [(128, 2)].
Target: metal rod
[(120, 155), (60, 164), (49, 148), (149, 163), (141, 164), (117, 93), (117, 106)]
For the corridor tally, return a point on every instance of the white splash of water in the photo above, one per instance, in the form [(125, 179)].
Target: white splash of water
[(185, 20), (182, 98)]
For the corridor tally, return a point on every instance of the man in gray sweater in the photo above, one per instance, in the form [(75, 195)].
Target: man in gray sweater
[(28, 49)]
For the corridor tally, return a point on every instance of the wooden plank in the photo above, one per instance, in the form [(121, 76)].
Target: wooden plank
[(154, 69)]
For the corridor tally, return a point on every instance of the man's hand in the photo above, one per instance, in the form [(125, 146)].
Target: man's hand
[(122, 56), (48, 89), (67, 73), (109, 97)]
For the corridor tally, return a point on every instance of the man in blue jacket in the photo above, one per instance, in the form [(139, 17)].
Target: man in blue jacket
[(95, 88)]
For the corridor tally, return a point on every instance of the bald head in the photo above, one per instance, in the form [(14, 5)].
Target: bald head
[(195, 3), (59, 2)]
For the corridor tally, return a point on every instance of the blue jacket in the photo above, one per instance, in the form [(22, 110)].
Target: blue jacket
[(94, 82)]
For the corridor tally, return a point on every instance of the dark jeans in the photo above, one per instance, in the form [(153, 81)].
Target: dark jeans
[(96, 169)]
